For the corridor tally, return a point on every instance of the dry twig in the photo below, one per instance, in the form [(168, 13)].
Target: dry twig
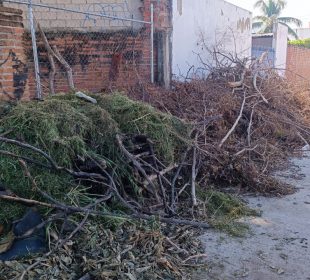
[(236, 122)]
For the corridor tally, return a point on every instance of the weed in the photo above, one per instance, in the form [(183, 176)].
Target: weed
[(224, 211)]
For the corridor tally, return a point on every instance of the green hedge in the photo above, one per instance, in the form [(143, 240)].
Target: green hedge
[(301, 43)]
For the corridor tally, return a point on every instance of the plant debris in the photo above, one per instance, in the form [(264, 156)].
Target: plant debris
[(249, 120), (125, 188)]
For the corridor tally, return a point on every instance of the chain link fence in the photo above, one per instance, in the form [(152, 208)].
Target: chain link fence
[(89, 46)]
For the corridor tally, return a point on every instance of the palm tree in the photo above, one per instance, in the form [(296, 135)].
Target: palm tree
[(271, 11)]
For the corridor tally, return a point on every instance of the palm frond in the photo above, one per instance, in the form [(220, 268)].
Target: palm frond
[(271, 10), (261, 4), (261, 18), (271, 7), (281, 4), (268, 28), (289, 20), (257, 24), (291, 31), (262, 27)]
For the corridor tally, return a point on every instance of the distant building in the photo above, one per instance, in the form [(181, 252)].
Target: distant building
[(303, 33)]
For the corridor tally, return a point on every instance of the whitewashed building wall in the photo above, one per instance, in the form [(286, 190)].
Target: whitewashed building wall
[(212, 23)]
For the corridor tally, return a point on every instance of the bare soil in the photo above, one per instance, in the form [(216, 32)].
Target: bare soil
[(277, 246)]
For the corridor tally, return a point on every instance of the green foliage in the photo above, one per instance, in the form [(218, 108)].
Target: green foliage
[(222, 204), (301, 43), (133, 117), (68, 128), (63, 129), (5, 108), (225, 210)]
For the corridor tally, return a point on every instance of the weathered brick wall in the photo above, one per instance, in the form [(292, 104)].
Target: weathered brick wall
[(100, 60), (13, 64), (298, 64)]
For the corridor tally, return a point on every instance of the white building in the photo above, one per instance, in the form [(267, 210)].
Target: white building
[(199, 26)]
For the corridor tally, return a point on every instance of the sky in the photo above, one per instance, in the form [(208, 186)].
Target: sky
[(295, 8)]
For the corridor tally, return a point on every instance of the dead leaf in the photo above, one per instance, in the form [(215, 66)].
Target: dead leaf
[(165, 263), (6, 242)]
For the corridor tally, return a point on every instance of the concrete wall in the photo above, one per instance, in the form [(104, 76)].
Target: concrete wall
[(280, 46), (207, 23), (52, 18), (275, 44)]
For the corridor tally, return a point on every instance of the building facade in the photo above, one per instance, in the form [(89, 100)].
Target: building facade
[(109, 44), (202, 26)]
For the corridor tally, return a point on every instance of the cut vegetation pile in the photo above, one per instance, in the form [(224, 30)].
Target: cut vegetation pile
[(102, 176), (122, 185), (247, 122), (80, 136)]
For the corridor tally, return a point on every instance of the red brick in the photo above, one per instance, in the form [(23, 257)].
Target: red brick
[(11, 39), (95, 73), (298, 65)]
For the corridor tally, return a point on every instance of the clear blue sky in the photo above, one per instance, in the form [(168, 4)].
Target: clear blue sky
[(295, 8)]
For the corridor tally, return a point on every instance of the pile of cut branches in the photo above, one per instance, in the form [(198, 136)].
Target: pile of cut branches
[(247, 119), (117, 170)]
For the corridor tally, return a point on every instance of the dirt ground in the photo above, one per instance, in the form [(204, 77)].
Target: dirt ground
[(277, 246)]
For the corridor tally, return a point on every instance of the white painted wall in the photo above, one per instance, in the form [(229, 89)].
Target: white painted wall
[(280, 46), (216, 23)]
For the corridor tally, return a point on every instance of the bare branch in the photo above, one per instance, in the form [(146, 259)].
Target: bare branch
[(235, 124)]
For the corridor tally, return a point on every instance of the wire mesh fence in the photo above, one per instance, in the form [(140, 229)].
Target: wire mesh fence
[(96, 45)]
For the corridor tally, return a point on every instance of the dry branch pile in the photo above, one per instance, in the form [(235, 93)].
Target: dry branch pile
[(247, 120)]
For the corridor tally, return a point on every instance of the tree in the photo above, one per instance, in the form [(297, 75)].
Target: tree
[(271, 11)]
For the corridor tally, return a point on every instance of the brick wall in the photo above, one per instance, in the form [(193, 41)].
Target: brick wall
[(100, 60), (13, 64), (298, 64)]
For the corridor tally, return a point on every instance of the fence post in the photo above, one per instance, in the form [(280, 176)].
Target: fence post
[(152, 43), (35, 52)]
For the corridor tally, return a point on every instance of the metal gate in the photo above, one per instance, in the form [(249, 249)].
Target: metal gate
[(270, 58)]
